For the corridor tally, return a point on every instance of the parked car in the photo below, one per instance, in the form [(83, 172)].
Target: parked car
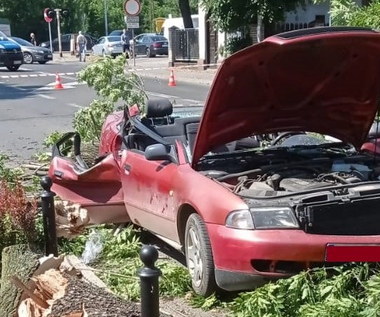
[(33, 53), (66, 42), (268, 181), (151, 44), (108, 45), (10, 53)]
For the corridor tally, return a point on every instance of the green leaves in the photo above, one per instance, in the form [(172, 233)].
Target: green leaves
[(230, 15), (117, 88)]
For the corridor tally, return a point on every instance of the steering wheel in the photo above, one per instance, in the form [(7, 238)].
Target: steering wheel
[(285, 135)]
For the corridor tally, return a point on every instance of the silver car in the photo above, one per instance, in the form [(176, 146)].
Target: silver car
[(108, 46)]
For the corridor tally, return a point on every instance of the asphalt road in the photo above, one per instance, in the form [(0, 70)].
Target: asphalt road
[(31, 109)]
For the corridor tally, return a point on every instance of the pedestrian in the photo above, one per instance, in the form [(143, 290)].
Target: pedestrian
[(125, 40), (33, 39), (81, 46)]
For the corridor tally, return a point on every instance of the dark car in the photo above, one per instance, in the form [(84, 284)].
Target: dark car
[(10, 53), (66, 42), (33, 53), (268, 181), (151, 44)]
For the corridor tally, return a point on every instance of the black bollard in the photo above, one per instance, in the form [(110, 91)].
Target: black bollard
[(149, 275), (48, 216)]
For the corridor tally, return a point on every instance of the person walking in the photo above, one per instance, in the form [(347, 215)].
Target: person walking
[(81, 45), (125, 40), (33, 39)]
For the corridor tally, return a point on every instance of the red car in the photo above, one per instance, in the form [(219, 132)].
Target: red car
[(270, 180)]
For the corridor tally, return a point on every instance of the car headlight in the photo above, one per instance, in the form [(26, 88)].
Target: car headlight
[(240, 219), (41, 52), (274, 218), (263, 218)]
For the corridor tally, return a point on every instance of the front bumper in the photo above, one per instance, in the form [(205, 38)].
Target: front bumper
[(42, 57), (248, 258), (11, 58)]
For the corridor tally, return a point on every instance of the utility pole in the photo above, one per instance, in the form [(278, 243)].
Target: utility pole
[(58, 15), (105, 17)]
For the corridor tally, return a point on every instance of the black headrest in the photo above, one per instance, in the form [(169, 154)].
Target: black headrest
[(158, 108)]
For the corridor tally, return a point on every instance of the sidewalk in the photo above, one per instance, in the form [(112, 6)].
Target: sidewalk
[(156, 68)]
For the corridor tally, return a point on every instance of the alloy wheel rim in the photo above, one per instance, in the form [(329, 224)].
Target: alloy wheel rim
[(28, 58), (194, 257)]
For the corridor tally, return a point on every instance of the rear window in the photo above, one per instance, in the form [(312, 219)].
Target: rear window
[(158, 38), (114, 38)]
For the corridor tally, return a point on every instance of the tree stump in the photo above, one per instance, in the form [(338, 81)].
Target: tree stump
[(20, 261)]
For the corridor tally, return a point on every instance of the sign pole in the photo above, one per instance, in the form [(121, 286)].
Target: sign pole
[(132, 9), (51, 43), (133, 48)]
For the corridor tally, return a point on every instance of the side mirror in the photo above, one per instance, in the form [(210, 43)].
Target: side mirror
[(158, 152)]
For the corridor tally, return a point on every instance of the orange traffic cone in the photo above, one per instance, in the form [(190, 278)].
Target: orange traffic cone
[(171, 79), (58, 83)]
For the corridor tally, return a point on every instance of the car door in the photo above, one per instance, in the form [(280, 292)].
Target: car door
[(146, 43), (66, 38), (150, 192), (98, 47), (139, 45)]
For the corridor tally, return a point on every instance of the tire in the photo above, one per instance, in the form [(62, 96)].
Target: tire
[(13, 68), (199, 259), (42, 62), (149, 52), (28, 58)]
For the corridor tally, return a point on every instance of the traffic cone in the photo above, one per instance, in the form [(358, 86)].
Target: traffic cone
[(58, 83), (171, 79)]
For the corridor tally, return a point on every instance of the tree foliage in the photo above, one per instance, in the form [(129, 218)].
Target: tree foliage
[(349, 13), (230, 15)]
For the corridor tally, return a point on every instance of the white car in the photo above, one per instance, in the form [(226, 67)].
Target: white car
[(108, 46)]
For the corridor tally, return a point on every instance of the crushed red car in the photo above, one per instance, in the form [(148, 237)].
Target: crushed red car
[(268, 181)]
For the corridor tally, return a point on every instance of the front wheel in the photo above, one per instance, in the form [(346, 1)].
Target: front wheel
[(28, 58), (199, 259), (13, 68)]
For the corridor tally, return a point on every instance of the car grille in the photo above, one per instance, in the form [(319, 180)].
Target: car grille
[(8, 56), (360, 217)]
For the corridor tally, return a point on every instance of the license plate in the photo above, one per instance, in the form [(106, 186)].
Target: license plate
[(164, 45), (16, 62), (340, 252), (49, 56)]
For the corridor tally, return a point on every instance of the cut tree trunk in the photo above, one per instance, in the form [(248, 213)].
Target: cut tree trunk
[(20, 261)]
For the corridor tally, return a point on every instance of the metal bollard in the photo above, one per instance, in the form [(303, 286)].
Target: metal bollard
[(149, 274), (48, 217)]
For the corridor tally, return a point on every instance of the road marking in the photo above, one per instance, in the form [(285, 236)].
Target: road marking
[(35, 75), (75, 105), (46, 96)]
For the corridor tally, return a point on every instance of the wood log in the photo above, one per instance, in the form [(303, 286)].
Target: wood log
[(17, 260)]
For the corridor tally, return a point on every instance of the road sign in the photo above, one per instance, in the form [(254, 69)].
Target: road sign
[(46, 17), (133, 22), (132, 7)]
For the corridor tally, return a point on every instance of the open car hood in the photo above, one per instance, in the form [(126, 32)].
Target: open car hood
[(324, 80)]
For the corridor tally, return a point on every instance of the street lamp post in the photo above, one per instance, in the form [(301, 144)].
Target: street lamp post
[(105, 17)]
